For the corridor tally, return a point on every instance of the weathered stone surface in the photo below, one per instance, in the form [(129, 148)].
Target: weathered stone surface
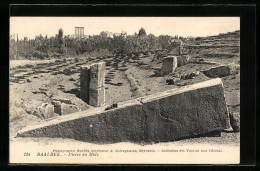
[(97, 97), (63, 108), (48, 111), (38, 108), (166, 116), (84, 83), (97, 75), (235, 121), (221, 71), (169, 64), (183, 60), (92, 83), (68, 109)]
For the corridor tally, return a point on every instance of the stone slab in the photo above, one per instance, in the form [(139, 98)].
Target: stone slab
[(166, 116), (221, 71), (169, 64)]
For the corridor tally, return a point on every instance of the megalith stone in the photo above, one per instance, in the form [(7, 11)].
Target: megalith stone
[(92, 81), (97, 75), (169, 64), (84, 83), (175, 114), (97, 97)]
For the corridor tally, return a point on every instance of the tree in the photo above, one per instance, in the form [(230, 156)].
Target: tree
[(142, 32), (60, 37), (61, 42), (103, 34)]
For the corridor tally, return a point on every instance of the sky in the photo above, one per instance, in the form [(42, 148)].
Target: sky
[(182, 26)]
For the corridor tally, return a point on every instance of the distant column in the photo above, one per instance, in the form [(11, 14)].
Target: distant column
[(92, 89)]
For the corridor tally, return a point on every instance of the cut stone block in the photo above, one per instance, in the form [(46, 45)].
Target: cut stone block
[(97, 97), (166, 116), (68, 109), (63, 108), (84, 83), (92, 79), (221, 71), (169, 64), (97, 75)]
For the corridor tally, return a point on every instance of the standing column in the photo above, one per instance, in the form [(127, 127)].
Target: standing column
[(92, 89)]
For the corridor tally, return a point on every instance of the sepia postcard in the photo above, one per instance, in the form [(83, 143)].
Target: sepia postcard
[(124, 90)]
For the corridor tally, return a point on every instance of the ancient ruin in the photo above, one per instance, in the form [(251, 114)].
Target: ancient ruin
[(92, 89), (179, 113), (169, 64), (221, 71)]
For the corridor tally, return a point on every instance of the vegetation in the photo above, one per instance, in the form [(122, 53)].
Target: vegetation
[(55, 47), (106, 44)]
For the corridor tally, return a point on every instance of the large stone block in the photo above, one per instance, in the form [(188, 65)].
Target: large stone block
[(92, 83), (68, 109), (222, 71), (84, 83), (189, 111), (97, 97), (63, 108), (169, 64), (97, 75)]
